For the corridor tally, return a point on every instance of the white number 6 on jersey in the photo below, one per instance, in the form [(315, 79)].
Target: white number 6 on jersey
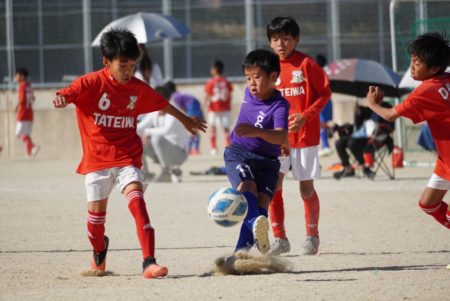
[(104, 102)]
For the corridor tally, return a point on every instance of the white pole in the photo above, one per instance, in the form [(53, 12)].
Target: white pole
[(11, 67), (335, 29), (168, 51), (398, 122), (249, 26), (87, 36)]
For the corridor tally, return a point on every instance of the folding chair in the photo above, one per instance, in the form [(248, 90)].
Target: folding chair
[(382, 145)]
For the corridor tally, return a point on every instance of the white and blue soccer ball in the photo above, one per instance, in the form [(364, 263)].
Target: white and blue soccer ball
[(227, 207)]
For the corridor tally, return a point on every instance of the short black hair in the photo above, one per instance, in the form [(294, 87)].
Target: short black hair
[(119, 42), (218, 65), (170, 86), (321, 60), (264, 59), (22, 71), (432, 48), (282, 25)]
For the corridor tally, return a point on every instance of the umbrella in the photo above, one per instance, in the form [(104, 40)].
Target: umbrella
[(409, 83), (147, 27), (354, 76)]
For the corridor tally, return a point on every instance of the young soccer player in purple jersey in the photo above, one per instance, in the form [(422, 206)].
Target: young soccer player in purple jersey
[(251, 160)]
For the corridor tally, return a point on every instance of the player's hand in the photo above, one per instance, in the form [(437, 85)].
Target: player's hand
[(194, 124), (285, 150), (59, 102), (246, 130), (375, 95), (296, 121)]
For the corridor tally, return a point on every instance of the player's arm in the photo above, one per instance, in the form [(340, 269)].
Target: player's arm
[(192, 124), (275, 136), (70, 94), (374, 98), (319, 80)]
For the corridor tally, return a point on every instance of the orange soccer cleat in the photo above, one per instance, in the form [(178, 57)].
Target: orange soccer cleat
[(152, 269)]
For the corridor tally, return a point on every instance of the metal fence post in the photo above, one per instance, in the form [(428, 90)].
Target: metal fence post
[(87, 36), (168, 51), (249, 26)]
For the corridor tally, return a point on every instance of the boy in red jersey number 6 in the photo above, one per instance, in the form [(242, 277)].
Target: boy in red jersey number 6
[(305, 85), (107, 103), (430, 102)]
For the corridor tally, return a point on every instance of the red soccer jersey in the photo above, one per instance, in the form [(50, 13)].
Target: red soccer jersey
[(307, 88), (219, 91), (26, 98), (431, 102), (106, 114)]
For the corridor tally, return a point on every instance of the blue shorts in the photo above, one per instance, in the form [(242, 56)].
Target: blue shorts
[(242, 165), (327, 112)]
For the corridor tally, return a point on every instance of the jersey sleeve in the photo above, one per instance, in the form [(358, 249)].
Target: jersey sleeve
[(77, 90), (411, 108), (22, 93), (150, 100), (321, 85), (280, 117)]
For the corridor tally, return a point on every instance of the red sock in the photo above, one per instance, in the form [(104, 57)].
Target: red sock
[(145, 232), (276, 214), (28, 143), (439, 212), (312, 210), (96, 230)]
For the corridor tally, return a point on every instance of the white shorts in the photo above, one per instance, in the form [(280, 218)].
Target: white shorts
[(219, 119), (437, 182), (99, 184), (304, 162), (23, 128)]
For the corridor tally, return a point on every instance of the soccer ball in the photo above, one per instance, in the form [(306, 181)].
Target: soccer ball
[(227, 207)]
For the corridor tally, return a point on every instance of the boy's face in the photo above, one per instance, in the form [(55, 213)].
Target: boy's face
[(420, 70), (122, 69), (283, 45), (19, 77), (259, 82)]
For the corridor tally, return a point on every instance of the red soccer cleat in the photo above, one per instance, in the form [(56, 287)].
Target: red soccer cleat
[(153, 270)]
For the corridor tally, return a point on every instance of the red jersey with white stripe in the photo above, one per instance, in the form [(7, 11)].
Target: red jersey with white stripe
[(219, 91), (26, 98), (107, 115), (430, 102), (307, 88)]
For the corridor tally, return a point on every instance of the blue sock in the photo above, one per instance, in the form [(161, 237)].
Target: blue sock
[(324, 138), (263, 211), (246, 240), (196, 142)]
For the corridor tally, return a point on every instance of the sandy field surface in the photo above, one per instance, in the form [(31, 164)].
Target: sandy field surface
[(375, 242)]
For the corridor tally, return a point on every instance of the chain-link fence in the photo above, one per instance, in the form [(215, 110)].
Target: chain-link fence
[(48, 36)]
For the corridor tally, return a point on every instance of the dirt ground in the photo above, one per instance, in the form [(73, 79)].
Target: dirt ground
[(375, 242)]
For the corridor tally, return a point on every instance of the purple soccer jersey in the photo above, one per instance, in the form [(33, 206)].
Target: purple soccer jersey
[(268, 114)]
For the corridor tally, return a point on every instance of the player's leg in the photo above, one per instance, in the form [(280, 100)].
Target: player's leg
[(326, 115), (170, 156), (276, 212), (305, 169), (225, 122), (267, 171), (242, 178), (341, 146), (98, 187), (431, 201), (130, 183), (212, 120)]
